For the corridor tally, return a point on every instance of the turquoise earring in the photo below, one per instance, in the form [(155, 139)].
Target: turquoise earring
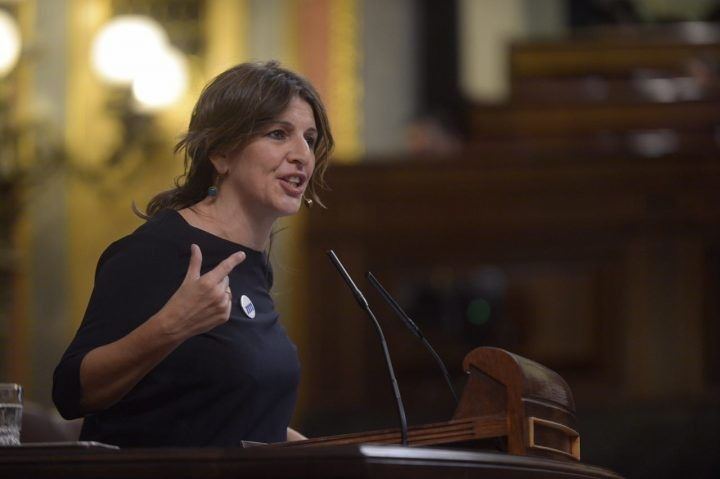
[(212, 191)]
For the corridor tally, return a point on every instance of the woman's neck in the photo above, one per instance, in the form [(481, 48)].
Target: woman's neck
[(229, 221)]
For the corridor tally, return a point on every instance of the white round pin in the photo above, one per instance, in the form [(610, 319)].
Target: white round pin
[(247, 306)]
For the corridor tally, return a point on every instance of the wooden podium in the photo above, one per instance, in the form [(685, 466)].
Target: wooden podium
[(527, 407), (353, 461), (516, 403)]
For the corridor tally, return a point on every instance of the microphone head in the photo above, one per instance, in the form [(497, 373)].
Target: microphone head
[(359, 297), (409, 323)]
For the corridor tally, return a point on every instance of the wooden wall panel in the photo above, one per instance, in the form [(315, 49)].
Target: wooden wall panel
[(552, 249)]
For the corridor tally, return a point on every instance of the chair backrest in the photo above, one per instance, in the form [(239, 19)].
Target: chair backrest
[(44, 425)]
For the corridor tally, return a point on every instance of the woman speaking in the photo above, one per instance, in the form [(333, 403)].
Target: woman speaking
[(181, 344)]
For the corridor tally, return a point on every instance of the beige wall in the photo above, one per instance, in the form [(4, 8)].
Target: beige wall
[(486, 29)]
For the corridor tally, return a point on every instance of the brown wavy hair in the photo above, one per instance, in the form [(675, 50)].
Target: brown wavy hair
[(233, 109)]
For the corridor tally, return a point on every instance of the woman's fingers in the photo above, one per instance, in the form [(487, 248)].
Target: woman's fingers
[(204, 301), (193, 271), (219, 273), (226, 286), (223, 269)]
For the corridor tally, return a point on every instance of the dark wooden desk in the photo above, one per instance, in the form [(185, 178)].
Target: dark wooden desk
[(357, 461)]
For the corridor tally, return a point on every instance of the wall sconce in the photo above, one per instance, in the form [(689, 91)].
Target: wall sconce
[(9, 43), (134, 51), (10, 134), (133, 55)]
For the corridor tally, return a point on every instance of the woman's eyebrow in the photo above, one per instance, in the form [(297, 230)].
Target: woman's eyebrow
[(288, 124)]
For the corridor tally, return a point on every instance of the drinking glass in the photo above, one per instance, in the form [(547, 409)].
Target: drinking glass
[(11, 408)]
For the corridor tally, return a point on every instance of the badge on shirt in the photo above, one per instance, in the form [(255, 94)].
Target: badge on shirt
[(247, 306)]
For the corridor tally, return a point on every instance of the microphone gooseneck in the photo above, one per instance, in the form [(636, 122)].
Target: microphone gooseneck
[(412, 327), (360, 298)]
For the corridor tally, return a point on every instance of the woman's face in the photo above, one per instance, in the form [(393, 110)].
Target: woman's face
[(269, 176)]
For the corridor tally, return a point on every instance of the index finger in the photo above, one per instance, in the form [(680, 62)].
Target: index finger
[(224, 268)]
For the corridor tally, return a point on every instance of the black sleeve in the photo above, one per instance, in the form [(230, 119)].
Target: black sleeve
[(134, 279)]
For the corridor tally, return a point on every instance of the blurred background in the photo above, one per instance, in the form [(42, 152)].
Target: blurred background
[(537, 175)]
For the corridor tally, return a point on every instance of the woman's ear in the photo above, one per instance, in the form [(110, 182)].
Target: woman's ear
[(221, 164)]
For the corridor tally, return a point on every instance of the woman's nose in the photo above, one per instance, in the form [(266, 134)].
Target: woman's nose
[(302, 151)]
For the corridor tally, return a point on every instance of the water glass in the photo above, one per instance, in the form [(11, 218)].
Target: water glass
[(11, 407)]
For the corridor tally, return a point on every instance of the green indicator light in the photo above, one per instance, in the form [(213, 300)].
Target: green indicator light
[(478, 312)]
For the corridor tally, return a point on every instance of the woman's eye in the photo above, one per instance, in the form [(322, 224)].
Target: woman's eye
[(277, 134), (311, 141)]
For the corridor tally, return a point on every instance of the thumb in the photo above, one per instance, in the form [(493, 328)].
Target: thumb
[(193, 271)]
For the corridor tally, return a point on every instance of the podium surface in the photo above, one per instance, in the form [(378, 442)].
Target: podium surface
[(350, 461), (508, 398)]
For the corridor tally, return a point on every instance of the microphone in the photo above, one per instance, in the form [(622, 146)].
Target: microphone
[(412, 327), (366, 307)]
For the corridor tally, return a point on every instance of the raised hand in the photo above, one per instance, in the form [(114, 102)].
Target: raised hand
[(202, 301), (108, 372)]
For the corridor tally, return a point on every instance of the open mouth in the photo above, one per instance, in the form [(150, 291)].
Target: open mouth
[(293, 184), (295, 180)]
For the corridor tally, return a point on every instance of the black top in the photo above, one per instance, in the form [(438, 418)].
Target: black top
[(236, 382)]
